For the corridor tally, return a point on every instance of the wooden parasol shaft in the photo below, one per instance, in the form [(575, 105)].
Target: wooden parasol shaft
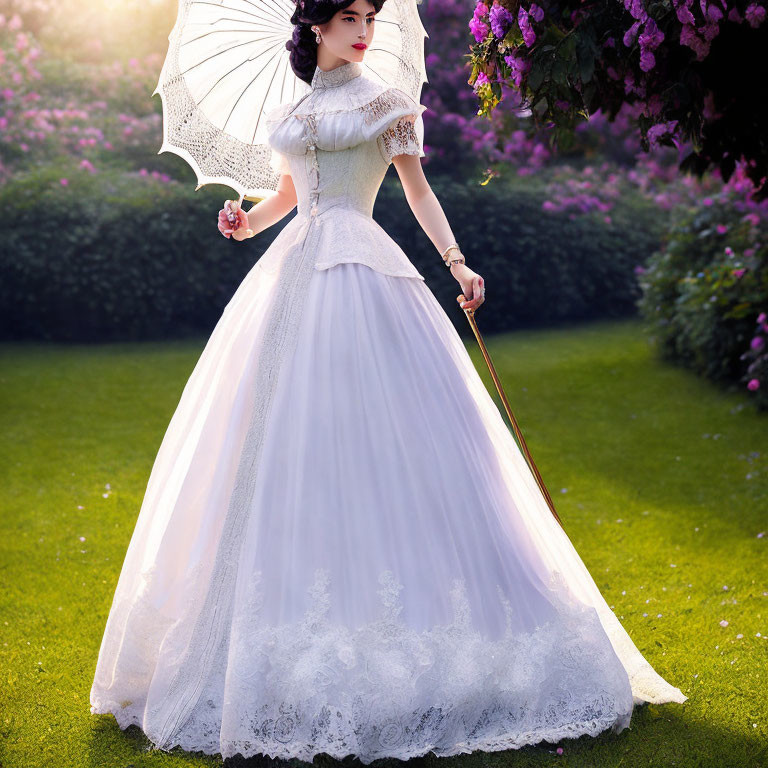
[(470, 313)]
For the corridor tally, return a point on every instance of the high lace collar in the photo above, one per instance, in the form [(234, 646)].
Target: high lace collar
[(336, 76)]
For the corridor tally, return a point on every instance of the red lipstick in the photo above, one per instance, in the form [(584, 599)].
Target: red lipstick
[(360, 46)]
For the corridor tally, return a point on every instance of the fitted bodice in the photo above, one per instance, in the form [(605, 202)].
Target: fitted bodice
[(337, 143), (347, 178)]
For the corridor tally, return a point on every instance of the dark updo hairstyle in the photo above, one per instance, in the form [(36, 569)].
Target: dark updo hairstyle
[(303, 45)]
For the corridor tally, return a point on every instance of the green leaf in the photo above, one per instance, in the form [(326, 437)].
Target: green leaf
[(536, 77), (585, 55)]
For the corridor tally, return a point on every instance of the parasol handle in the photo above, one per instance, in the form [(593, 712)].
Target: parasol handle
[(470, 313), (248, 231)]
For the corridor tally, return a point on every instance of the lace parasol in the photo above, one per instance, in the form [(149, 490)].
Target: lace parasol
[(227, 65)]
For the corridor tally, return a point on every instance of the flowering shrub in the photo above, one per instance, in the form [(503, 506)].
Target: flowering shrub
[(101, 116), (600, 187), (705, 294), (688, 65), (757, 355)]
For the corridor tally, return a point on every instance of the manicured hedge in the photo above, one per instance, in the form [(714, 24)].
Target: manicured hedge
[(115, 255), (540, 268)]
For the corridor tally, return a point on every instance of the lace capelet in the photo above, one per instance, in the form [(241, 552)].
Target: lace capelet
[(337, 118)]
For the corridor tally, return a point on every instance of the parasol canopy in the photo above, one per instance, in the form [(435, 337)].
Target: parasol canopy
[(227, 65)]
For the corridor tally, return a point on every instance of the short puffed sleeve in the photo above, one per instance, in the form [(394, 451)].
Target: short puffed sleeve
[(400, 139), (404, 126), (279, 162)]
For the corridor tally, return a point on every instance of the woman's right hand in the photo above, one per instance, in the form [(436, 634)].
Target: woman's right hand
[(239, 228)]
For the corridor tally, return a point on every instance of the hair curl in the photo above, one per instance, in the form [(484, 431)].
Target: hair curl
[(303, 45)]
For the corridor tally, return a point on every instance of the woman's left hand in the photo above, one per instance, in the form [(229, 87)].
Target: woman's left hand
[(472, 285)]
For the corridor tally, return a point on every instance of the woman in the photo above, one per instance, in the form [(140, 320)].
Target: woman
[(341, 549)]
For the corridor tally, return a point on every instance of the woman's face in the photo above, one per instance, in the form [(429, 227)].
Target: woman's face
[(353, 26)]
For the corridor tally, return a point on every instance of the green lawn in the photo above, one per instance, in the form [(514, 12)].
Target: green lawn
[(661, 481)]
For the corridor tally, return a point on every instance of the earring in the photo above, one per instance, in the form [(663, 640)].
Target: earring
[(317, 34)]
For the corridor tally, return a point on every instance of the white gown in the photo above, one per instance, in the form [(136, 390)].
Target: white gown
[(341, 548)]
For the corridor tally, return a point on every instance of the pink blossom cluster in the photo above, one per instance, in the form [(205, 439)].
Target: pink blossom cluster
[(757, 353), (649, 39), (697, 34), (656, 178), (524, 18), (590, 190), (45, 127), (520, 66), (164, 177), (477, 24), (499, 19), (18, 54), (481, 80)]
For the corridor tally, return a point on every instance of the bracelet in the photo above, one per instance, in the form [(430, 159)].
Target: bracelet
[(457, 259), (452, 245)]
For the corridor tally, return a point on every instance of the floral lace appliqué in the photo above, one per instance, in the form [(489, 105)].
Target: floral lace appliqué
[(383, 689), (400, 139)]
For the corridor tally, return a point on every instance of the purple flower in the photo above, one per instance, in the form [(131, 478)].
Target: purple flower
[(757, 343), (652, 36), (689, 37), (710, 30), (636, 9), (478, 28), (647, 61), (482, 79), (519, 65), (501, 20), (761, 318), (684, 15), (755, 15), (753, 384), (649, 40), (714, 13), (536, 12), (529, 36), (655, 132), (476, 25), (631, 34)]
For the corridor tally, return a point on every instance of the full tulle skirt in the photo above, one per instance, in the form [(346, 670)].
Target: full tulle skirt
[(341, 549)]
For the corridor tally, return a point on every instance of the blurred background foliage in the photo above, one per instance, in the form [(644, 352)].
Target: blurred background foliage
[(102, 238)]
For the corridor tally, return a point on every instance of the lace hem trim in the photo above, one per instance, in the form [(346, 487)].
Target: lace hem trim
[(278, 749), (386, 690)]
